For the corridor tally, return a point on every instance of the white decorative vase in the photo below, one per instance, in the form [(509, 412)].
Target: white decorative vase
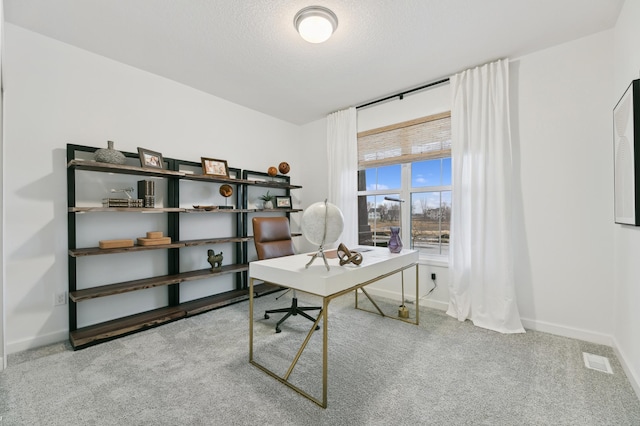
[(268, 204)]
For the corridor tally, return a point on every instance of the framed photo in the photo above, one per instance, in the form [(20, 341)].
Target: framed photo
[(150, 159), (626, 139), (283, 202), (213, 167)]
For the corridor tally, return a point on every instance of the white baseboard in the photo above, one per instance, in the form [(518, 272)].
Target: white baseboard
[(434, 304), (632, 375), (564, 331), (36, 342)]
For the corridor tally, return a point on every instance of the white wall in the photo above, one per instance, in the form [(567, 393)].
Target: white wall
[(3, 358), (313, 144), (57, 94), (561, 127), (626, 275)]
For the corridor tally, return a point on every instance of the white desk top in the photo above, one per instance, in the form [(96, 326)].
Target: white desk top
[(289, 271)]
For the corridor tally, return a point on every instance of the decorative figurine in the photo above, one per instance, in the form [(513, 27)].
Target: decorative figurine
[(215, 260), (284, 167)]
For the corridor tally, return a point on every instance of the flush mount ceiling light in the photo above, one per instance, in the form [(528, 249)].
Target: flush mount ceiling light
[(315, 23)]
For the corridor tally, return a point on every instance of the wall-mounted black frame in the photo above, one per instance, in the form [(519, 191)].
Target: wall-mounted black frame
[(626, 140)]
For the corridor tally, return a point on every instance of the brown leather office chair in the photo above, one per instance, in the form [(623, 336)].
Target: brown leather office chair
[(272, 238)]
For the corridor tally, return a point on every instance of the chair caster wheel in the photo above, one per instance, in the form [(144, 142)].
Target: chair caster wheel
[(278, 330), (266, 316)]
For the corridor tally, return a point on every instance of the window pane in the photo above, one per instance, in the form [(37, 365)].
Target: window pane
[(445, 226), (446, 171), (375, 216), (431, 173), (430, 222), (380, 178), (425, 173)]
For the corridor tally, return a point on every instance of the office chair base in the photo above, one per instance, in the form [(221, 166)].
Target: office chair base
[(294, 309)]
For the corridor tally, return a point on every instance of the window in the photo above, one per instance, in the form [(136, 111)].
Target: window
[(404, 178)]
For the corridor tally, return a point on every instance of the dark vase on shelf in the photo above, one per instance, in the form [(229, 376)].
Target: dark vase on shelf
[(109, 155), (395, 243)]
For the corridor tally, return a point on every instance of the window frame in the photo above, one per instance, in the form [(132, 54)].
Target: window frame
[(406, 191)]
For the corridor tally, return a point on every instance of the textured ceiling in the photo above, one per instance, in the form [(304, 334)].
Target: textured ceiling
[(247, 51)]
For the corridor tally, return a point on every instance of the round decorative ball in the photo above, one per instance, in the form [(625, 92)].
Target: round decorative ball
[(226, 190), (313, 223), (272, 171), (284, 167)]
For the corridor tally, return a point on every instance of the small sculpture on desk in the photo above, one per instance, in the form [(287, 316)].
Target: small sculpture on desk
[(215, 260), (346, 256)]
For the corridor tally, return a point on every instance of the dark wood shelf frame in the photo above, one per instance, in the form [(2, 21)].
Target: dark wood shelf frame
[(108, 330)]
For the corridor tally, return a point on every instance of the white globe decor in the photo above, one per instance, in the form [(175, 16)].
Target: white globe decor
[(322, 223)]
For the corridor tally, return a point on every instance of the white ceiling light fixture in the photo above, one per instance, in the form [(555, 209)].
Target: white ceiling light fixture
[(315, 23)]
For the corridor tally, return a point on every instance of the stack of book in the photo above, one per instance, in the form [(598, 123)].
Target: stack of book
[(147, 192), (122, 202)]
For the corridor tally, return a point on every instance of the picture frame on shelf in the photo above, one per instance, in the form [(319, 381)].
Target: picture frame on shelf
[(214, 167), (283, 202), (150, 159)]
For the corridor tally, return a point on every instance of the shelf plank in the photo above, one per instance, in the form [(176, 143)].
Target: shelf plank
[(93, 251), (278, 210), (208, 303), (135, 285), (269, 184), (95, 166), (207, 241), (266, 288), (123, 287), (207, 273), (218, 211), (97, 333), (127, 209), (216, 179)]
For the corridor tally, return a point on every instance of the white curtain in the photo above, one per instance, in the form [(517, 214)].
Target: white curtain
[(342, 170), (482, 286)]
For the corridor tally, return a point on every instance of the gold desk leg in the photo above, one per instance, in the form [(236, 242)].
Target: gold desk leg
[(285, 380), (251, 319), (325, 358), (417, 297), (304, 345), (361, 287), (371, 300)]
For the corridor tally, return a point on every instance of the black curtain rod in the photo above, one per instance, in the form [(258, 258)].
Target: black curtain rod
[(401, 94)]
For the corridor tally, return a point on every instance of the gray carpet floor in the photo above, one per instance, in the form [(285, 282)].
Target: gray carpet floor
[(381, 372)]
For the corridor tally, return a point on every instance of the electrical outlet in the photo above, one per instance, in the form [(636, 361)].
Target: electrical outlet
[(60, 298), (433, 276)]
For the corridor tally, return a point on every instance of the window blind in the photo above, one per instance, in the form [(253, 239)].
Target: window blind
[(415, 140)]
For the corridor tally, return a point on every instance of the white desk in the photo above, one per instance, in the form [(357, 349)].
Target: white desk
[(290, 272)]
